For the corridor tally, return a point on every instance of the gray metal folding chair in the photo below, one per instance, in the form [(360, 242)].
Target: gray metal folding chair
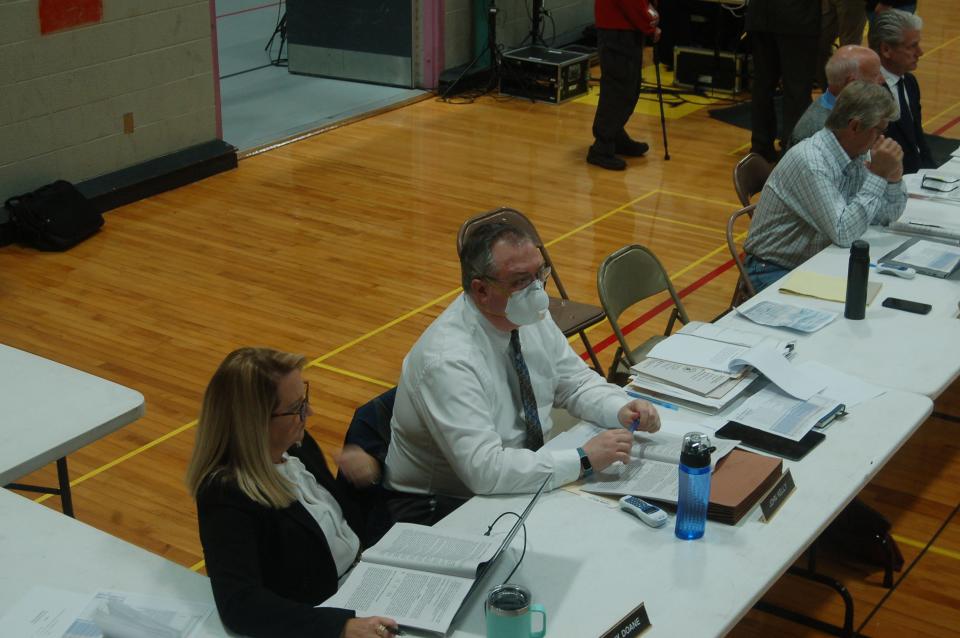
[(744, 289), (628, 276), (572, 317), (749, 176)]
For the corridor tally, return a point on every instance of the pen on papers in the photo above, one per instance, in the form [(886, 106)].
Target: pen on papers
[(660, 402)]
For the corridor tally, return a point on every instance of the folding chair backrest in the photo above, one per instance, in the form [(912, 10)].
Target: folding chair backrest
[(629, 276), (749, 176)]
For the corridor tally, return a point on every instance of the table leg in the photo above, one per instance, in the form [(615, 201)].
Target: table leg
[(66, 498)]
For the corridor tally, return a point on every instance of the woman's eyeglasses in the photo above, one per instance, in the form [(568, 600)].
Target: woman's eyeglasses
[(302, 407)]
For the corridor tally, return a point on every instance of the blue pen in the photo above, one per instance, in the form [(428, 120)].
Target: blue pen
[(660, 402)]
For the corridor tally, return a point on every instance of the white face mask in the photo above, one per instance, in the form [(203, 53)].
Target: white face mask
[(529, 305)]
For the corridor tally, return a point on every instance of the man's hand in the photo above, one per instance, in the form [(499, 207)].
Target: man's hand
[(641, 414), (360, 468), (881, 7), (607, 447), (372, 627), (886, 159)]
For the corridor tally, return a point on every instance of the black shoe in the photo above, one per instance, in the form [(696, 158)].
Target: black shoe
[(632, 148), (609, 162)]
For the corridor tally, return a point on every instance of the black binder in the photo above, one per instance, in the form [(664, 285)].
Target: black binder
[(766, 442)]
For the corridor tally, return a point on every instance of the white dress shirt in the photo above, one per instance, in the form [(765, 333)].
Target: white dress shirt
[(458, 426), (324, 509), (892, 81)]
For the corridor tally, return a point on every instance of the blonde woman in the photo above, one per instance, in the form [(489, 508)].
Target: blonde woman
[(276, 532)]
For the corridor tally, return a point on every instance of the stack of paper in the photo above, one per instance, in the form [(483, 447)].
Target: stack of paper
[(929, 257), (781, 315), (705, 367)]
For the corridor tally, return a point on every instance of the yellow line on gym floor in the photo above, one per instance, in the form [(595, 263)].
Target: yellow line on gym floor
[(944, 44), (121, 459), (949, 553), (702, 199), (941, 113), (677, 222), (601, 218), (740, 149), (196, 566), (355, 375)]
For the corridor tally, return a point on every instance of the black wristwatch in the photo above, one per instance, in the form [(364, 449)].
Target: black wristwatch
[(586, 468)]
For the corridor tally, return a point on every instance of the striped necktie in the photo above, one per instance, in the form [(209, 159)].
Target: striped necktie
[(530, 415)]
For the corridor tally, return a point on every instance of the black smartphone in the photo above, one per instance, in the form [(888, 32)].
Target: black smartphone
[(907, 306)]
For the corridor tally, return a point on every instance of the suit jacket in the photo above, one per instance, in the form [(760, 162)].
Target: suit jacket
[(908, 131), (269, 567)]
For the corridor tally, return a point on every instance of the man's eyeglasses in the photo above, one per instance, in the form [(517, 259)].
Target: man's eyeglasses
[(301, 410), (521, 282)]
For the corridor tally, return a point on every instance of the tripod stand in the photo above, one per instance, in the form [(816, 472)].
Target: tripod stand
[(497, 67), (279, 30), (536, 19)]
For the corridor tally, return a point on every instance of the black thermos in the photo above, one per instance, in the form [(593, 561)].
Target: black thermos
[(857, 273)]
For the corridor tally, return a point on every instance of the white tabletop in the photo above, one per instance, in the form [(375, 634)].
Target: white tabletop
[(590, 565), (892, 348), (50, 410), (39, 546)]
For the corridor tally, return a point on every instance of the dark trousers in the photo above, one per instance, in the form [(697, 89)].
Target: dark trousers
[(423, 509), (792, 58), (621, 58)]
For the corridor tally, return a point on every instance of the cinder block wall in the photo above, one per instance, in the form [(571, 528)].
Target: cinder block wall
[(513, 24), (63, 96)]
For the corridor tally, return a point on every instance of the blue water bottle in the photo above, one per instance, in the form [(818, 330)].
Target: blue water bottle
[(694, 493)]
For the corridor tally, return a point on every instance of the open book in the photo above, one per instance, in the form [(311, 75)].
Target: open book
[(420, 576), (739, 479)]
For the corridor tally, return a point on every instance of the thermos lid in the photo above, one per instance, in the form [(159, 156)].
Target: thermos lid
[(860, 249), (696, 449)]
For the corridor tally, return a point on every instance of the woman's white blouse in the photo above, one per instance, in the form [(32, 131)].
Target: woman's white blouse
[(323, 507)]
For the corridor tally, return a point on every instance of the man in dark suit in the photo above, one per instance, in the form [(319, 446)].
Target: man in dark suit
[(785, 36), (895, 36)]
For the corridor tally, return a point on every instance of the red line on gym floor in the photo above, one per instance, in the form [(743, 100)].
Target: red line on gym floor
[(653, 312), (947, 126)]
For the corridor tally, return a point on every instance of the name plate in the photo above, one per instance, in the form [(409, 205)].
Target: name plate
[(633, 624), (777, 495)]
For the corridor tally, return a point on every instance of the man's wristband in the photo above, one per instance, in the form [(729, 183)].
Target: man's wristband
[(586, 468)]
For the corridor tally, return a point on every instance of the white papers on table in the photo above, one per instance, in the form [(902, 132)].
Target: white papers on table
[(692, 400), (43, 612), (775, 367), (695, 351), (933, 184), (929, 217), (781, 315), (113, 614), (776, 412), (726, 335), (841, 387), (931, 255), (694, 378)]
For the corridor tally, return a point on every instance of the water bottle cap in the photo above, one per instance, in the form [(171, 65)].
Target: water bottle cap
[(860, 248), (696, 449)]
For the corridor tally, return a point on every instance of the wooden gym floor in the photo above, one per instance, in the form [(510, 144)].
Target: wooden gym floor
[(342, 247)]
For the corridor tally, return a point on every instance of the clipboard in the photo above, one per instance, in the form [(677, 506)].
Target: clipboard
[(891, 257)]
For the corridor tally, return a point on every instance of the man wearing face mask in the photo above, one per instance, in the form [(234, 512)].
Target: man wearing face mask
[(475, 393)]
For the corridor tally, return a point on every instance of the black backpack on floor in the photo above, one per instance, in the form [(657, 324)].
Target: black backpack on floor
[(53, 217)]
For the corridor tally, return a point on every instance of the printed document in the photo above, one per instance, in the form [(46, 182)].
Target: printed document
[(113, 614), (43, 612), (417, 575), (841, 387), (696, 351), (775, 367), (693, 378), (774, 411), (781, 315)]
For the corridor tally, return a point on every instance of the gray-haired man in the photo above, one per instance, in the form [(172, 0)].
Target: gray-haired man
[(827, 189), (849, 63), (895, 36)]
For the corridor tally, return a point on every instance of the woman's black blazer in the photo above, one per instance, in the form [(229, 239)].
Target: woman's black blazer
[(269, 567)]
